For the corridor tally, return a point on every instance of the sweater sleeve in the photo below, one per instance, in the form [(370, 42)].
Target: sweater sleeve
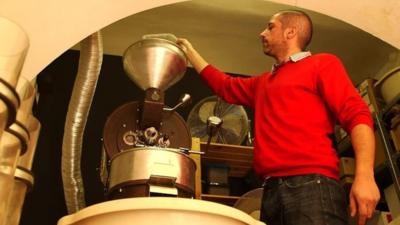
[(234, 90), (340, 95)]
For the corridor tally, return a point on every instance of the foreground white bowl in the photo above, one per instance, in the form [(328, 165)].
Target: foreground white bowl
[(158, 211)]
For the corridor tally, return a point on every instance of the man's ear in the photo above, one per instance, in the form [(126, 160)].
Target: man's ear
[(290, 32)]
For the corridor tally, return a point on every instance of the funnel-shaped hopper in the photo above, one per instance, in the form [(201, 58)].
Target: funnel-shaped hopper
[(154, 63)]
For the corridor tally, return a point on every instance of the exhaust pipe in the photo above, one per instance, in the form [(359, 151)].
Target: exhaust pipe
[(90, 61)]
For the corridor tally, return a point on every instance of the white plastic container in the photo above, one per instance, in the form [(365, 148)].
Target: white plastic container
[(159, 211)]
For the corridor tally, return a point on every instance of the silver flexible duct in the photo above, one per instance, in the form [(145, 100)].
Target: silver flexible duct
[(90, 60)]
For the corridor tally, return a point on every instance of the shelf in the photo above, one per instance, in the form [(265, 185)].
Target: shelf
[(238, 158), (222, 199), (392, 163)]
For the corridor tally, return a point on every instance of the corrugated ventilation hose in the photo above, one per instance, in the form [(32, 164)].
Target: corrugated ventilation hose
[(90, 60)]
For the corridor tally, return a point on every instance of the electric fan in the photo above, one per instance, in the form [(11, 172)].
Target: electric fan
[(235, 123)]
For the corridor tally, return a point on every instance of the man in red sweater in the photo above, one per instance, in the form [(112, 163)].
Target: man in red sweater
[(296, 106)]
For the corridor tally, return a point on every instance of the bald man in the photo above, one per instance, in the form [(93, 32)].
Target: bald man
[(296, 106)]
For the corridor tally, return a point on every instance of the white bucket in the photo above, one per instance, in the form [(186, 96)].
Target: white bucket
[(158, 211)]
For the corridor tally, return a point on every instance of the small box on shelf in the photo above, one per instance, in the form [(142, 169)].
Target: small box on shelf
[(216, 179), (239, 160), (217, 173)]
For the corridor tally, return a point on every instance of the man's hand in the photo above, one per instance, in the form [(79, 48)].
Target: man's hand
[(184, 44), (364, 196), (193, 56)]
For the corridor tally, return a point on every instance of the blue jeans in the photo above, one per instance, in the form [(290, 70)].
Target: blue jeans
[(311, 199)]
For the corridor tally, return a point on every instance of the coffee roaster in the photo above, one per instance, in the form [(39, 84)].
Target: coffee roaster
[(147, 143)]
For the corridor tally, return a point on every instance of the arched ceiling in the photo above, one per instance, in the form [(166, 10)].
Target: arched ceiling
[(227, 35), (224, 30)]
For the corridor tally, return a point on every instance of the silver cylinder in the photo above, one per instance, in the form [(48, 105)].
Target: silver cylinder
[(10, 148), (90, 60), (23, 177), (13, 48), (23, 181), (154, 63), (151, 166)]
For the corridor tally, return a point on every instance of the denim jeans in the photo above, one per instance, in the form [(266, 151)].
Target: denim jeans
[(311, 199)]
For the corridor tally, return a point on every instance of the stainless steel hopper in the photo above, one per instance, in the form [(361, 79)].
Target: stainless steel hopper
[(154, 63), (146, 142)]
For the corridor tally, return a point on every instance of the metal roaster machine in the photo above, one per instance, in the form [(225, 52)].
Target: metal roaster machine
[(146, 165), (147, 142)]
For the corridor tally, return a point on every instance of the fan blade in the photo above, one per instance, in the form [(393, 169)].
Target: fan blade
[(234, 123), (206, 110), (217, 106), (227, 109), (230, 136), (198, 131), (221, 107), (220, 137)]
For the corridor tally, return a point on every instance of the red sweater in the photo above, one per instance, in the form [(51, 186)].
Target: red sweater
[(296, 108)]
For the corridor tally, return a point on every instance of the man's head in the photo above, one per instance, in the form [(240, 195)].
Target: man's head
[(287, 30), (300, 21)]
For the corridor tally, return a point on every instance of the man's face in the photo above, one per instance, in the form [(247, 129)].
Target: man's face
[(272, 37)]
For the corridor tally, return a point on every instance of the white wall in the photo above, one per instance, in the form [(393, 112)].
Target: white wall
[(379, 18), (53, 26)]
